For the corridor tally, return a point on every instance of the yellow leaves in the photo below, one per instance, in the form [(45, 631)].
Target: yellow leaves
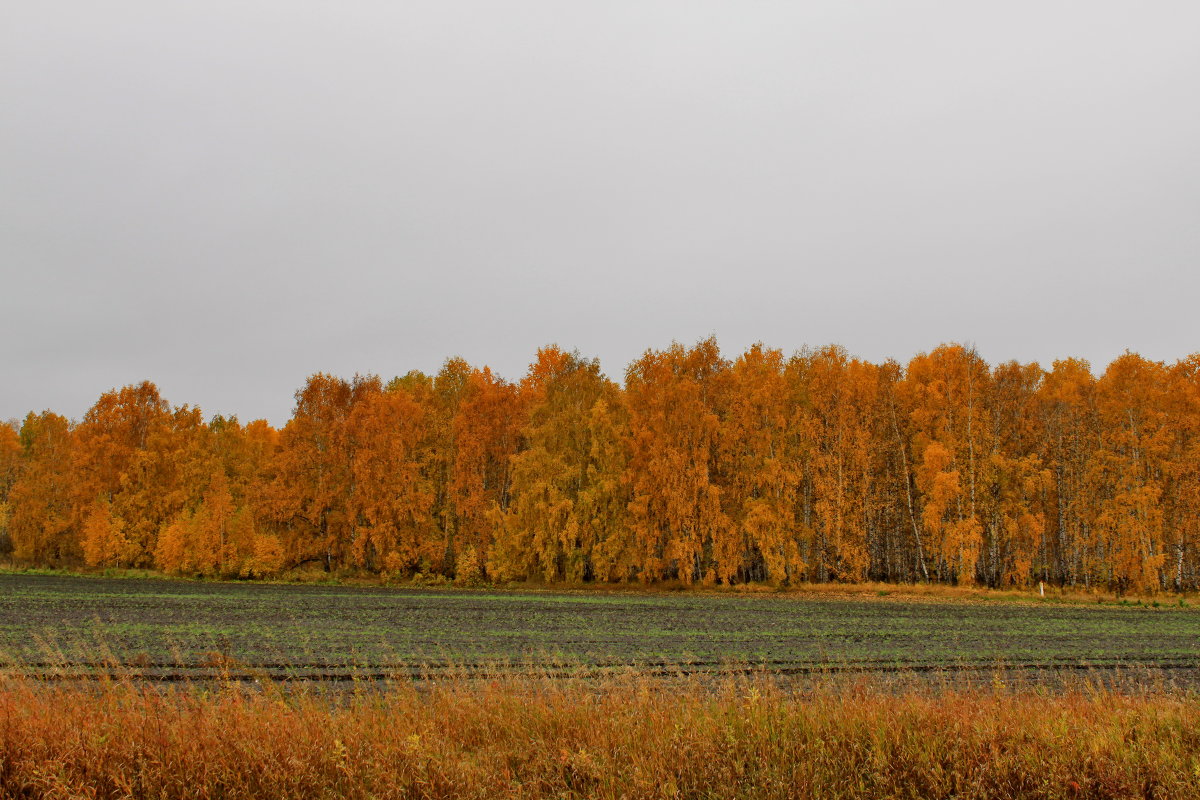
[(1131, 523), (468, 569), (216, 538), (10, 457), (768, 526), (940, 488), (104, 540), (46, 515), (124, 452), (267, 557), (676, 509), (935, 461), (835, 427), (485, 436), (390, 497), (174, 542), (766, 468)]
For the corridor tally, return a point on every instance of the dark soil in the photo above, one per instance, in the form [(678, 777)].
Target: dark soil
[(70, 627)]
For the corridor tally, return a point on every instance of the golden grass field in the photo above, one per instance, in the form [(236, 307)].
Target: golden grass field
[(623, 737)]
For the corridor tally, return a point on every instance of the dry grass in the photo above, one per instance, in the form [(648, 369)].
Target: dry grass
[(941, 591), (629, 737)]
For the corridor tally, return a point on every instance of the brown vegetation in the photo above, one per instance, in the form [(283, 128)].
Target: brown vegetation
[(632, 738)]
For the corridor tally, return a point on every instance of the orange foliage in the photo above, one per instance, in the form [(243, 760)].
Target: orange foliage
[(392, 497), (817, 467), (44, 523), (675, 514)]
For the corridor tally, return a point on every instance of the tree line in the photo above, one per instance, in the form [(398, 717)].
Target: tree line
[(699, 469)]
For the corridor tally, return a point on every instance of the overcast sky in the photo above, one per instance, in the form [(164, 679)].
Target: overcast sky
[(225, 197)]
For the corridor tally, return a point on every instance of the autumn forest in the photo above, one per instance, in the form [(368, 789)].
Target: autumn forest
[(699, 469)]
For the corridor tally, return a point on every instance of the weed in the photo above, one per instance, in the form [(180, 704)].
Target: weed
[(542, 737)]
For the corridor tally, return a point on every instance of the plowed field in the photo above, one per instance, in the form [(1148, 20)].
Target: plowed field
[(63, 627)]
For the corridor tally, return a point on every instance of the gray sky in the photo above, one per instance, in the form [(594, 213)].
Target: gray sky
[(225, 197)]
